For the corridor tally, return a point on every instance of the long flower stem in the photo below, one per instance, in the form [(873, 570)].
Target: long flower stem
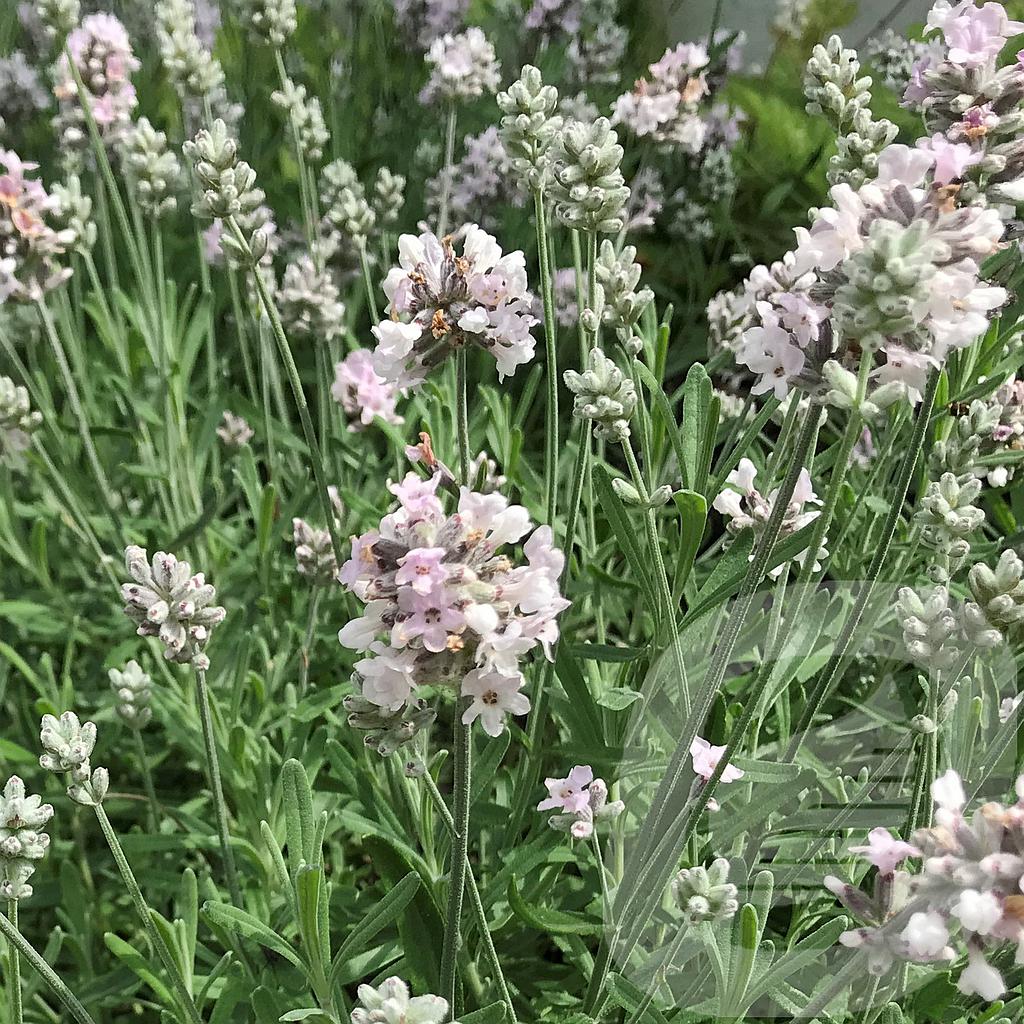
[(446, 171), (147, 781), (292, 371), (18, 942), (146, 917), (474, 897), (551, 360), (830, 673), (314, 605), (14, 968), (364, 264), (219, 805), (50, 330)]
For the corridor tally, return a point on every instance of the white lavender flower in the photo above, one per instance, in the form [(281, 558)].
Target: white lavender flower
[(271, 21), (705, 894), (71, 214), (530, 125), (22, 840), (22, 92), (388, 197), (134, 690), (308, 301), (621, 303), (390, 1003), (948, 515), (17, 420), (314, 553), (605, 395), (234, 431), (190, 66), (154, 168), (228, 190), (462, 67), (420, 22), (305, 118), (595, 53), (67, 748), (999, 593), (587, 186), (930, 627), (167, 601)]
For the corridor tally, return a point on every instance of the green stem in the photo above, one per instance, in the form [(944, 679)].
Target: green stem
[(830, 673), (314, 604), (45, 971), (446, 172), (219, 805), (474, 897), (14, 968), (50, 329), (146, 917), (147, 782), (285, 352), (364, 263), (462, 413), (551, 359)]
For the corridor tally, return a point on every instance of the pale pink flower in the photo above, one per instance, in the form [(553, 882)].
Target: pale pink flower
[(705, 761), (884, 851), (951, 158), (362, 393), (569, 794), (980, 978), (494, 695)]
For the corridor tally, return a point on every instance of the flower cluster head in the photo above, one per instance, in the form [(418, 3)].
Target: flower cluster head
[(30, 244), (462, 67), (422, 21), (228, 190), (747, 508), (388, 196), (17, 419), (167, 601), (930, 627), (305, 117), (582, 802), (949, 516), (346, 206), (58, 17), (67, 747), (440, 299), (362, 392), (705, 894), (22, 92), (620, 303), (604, 394), (234, 431), (968, 886), (309, 301), (154, 168), (892, 268), (314, 553), (134, 690), (71, 214), (478, 182), (665, 106), (102, 55), (22, 839), (997, 611), (271, 21), (595, 53), (530, 125), (190, 66), (587, 187), (390, 1003), (455, 609)]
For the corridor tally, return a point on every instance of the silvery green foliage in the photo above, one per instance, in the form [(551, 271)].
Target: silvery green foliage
[(999, 593), (948, 516), (603, 394), (17, 419), (308, 301), (314, 553), (530, 126), (705, 894), (388, 197), (154, 168), (272, 21), (929, 627), (67, 747), (390, 1003), (834, 87), (22, 839), (388, 730), (886, 280), (621, 305), (190, 66), (959, 452), (72, 211), (168, 602), (133, 688), (305, 117), (587, 186), (58, 17), (229, 191)]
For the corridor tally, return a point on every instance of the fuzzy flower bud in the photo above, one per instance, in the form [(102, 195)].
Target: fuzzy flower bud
[(587, 186), (308, 301), (17, 419), (167, 601), (352, 214), (929, 627), (530, 125), (388, 197), (388, 730), (154, 168), (603, 394), (314, 554), (271, 21), (390, 1003), (618, 277), (999, 592), (704, 894), (948, 515), (305, 116), (190, 67), (22, 839), (133, 688), (72, 213), (67, 746)]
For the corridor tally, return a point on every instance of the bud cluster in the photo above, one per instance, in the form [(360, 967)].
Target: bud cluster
[(22, 840), (587, 186), (17, 419), (154, 168), (705, 894), (314, 553), (620, 303), (530, 126), (134, 690), (67, 747), (305, 117), (605, 395)]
